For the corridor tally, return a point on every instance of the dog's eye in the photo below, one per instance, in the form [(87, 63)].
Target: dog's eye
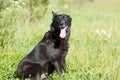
[(64, 17), (58, 19)]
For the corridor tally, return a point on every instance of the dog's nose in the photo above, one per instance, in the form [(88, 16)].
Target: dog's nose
[(62, 24)]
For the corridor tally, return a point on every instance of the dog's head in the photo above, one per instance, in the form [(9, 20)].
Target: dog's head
[(61, 24)]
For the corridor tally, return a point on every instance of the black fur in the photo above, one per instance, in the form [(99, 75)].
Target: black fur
[(49, 54)]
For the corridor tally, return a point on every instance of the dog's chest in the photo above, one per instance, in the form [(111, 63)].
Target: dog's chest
[(57, 50)]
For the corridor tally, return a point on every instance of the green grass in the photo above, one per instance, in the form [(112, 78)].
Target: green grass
[(94, 52)]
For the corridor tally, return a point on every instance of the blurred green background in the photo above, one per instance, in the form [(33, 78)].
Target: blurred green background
[(94, 52)]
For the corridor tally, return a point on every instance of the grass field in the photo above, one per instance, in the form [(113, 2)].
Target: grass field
[(94, 52)]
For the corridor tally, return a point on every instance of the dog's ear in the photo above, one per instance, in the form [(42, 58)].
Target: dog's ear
[(54, 13), (70, 19)]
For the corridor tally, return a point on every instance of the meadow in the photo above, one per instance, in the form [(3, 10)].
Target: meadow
[(94, 52)]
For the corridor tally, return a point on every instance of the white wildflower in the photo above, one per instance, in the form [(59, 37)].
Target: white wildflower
[(98, 32), (16, 2), (105, 39), (23, 3), (7, 8), (19, 6), (103, 32), (109, 35)]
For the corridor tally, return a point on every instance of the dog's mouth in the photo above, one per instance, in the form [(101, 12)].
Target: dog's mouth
[(63, 31)]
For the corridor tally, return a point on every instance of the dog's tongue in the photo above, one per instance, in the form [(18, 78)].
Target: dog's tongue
[(63, 32)]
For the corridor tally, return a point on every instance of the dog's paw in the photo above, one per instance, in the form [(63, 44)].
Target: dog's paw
[(43, 76), (62, 75)]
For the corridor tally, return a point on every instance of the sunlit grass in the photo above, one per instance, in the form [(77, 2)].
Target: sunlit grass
[(94, 52)]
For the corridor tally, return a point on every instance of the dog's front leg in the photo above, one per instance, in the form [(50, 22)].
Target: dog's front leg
[(63, 63), (58, 68)]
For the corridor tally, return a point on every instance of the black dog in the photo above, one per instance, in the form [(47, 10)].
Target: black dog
[(50, 52)]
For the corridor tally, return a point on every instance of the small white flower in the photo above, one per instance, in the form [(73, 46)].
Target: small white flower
[(109, 35), (103, 32), (19, 6), (7, 8), (97, 31), (105, 39), (23, 3), (16, 2)]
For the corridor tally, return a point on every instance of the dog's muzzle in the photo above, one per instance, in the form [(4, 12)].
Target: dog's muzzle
[(63, 31)]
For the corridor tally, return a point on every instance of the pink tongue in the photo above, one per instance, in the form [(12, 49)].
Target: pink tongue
[(63, 33)]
